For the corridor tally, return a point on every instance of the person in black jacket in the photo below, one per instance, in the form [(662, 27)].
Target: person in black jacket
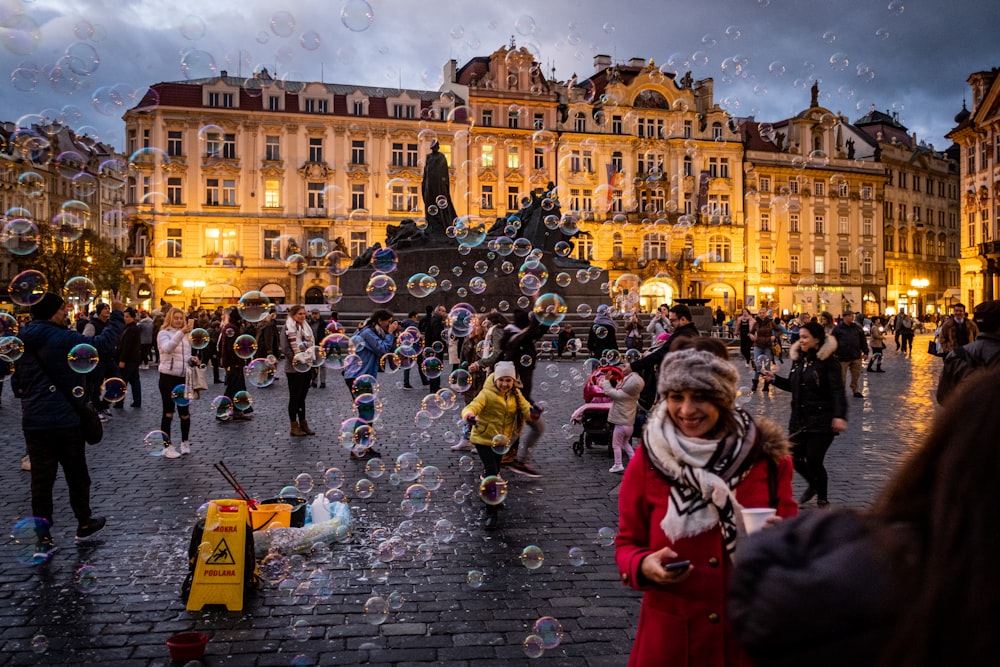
[(852, 345), (51, 423), (982, 353), (130, 358), (819, 411), (434, 344)]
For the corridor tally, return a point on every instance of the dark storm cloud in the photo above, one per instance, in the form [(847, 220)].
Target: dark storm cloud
[(918, 70)]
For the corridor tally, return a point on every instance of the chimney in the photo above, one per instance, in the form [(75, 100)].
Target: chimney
[(601, 62), (637, 62), (450, 69), (223, 74), (704, 90)]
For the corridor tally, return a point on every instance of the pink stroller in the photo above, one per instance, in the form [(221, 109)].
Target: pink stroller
[(593, 414)]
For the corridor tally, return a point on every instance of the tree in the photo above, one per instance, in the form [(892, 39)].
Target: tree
[(90, 256)]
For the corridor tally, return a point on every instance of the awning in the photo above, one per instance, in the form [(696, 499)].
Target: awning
[(273, 291)]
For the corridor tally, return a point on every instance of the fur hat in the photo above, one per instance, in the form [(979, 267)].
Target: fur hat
[(700, 371), (46, 307), (504, 369)]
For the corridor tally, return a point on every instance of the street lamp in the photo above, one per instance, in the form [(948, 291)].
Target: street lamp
[(918, 284)]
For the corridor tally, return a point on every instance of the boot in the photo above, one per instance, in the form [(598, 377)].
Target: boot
[(753, 386), (296, 430), (304, 425), (878, 369), (869, 367), (767, 388)]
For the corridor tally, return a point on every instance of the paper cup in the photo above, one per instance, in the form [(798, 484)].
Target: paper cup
[(754, 518)]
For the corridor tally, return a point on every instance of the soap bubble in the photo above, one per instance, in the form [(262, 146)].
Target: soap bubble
[(533, 646), (460, 380), (155, 442), (112, 389), (376, 610), (333, 478), (408, 466), (80, 291), (492, 490), (475, 578), (381, 288), (28, 287), (222, 407), (384, 260), (576, 556), (357, 15), (199, 338), (260, 373), (550, 630), (242, 400), (532, 557), (83, 358), (418, 496), (606, 536), (254, 306), (244, 346), (421, 285), (364, 488), (11, 348), (178, 394), (500, 444), (550, 309), (303, 483)]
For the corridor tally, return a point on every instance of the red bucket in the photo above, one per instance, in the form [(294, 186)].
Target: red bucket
[(187, 646)]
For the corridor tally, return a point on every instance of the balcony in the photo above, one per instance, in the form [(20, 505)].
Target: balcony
[(989, 248), (135, 262)]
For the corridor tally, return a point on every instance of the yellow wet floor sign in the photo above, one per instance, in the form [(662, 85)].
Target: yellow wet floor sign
[(218, 572)]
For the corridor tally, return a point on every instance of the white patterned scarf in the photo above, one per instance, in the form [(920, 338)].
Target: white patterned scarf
[(702, 475)]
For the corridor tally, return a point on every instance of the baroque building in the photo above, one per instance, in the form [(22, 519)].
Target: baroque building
[(814, 192), (238, 183), (645, 165), (49, 175), (977, 133), (243, 184), (920, 216)]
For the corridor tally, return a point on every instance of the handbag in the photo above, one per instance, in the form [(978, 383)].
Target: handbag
[(194, 382), (90, 421), (776, 349), (932, 348)]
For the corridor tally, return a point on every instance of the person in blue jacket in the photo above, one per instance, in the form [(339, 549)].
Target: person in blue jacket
[(44, 382), (377, 337)]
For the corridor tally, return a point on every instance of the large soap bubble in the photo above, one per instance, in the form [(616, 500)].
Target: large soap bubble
[(28, 287), (381, 288), (550, 309), (254, 306), (83, 358)]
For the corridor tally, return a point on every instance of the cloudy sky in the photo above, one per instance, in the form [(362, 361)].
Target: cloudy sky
[(89, 59)]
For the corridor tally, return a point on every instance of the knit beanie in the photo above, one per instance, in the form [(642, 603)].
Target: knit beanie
[(47, 307), (504, 369), (702, 372)]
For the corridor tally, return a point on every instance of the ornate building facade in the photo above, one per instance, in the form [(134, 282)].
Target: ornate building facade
[(244, 184), (814, 193), (920, 216), (647, 166), (51, 175), (977, 133)]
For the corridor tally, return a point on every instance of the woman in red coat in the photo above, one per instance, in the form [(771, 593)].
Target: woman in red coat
[(702, 462)]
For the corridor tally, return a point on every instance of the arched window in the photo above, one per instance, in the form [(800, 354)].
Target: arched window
[(717, 130), (654, 246), (314, 295), (617, 251), (720, 248)]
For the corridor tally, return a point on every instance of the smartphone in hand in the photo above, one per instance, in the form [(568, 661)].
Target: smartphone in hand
[(679, 565)]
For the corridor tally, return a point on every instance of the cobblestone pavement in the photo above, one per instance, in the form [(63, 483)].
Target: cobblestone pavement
[(126, 604)]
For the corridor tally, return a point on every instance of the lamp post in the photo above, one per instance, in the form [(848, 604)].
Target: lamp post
[(919, 284)]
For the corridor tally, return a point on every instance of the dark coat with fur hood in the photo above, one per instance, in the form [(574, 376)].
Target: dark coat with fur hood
[(688, 623), (817, 388)]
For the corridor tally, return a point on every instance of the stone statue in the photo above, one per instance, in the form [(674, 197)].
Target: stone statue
[(435, 190), (850, 149), (365, 258), (687, 81), (815, 94), (405, 235)]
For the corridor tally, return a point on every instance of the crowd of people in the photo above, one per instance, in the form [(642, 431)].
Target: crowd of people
[(721, 584)]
